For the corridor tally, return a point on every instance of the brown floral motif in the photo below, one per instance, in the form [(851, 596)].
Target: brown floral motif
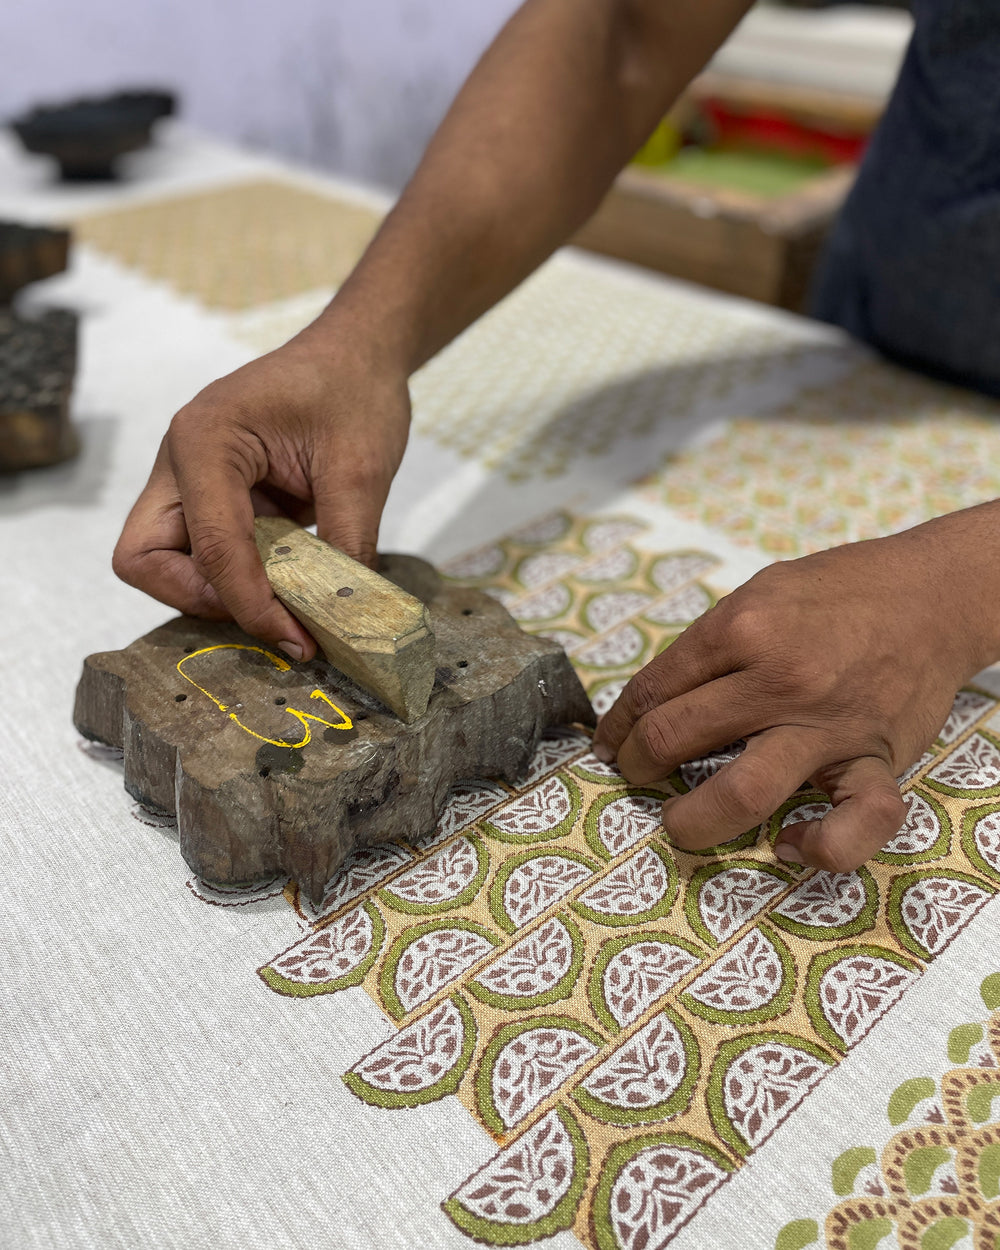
[(637, 886), (433, 960), (975, 765), (640, 973), (697, 771), (856, 991), (728, 899), (621, 646), (366, 868), (467, 801), (627, 820), (826, 900), (555, 748), (328, 956), (538, 883), (764, 1084), (545, 566), (986, 834), (686, 605), (415, 1060), (543, 604), (438, 879), (614, 566), (934, 909), (644, 1072), (604, 611), (533, 1065), (920, 831), (969, 706), (537, 812), (671, 572), (530, 968), (745, 979)]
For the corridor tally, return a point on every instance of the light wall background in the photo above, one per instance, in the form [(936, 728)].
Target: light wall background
[(354, 86)]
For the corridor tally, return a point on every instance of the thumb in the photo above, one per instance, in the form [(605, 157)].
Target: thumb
[(867, 812)]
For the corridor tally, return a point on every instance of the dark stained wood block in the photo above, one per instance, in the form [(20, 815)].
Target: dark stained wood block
[(272, 767), (37, 364), (29, 254)]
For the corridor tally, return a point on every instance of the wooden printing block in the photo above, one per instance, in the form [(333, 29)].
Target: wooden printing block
[(37, 363), (29, 254), (272, 767)]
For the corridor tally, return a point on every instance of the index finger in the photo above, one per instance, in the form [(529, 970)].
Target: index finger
[(218, 511)]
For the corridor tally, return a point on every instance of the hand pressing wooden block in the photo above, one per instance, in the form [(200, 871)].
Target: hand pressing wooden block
[(272, 767)]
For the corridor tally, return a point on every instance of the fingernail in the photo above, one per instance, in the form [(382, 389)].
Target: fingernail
[(791, 854), (603, 753), (291, 649)]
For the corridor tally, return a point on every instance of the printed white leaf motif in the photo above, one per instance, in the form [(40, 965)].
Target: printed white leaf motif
[(533, 965), (627, 820), (764, 1084), (747, 977), (555, 748), (538, 883), (687, 605), (644, 1071), (434, 959), (826, 900), (613, 567), (613, 607), (525, 1181), (542, 605), (968, 707), (728, 899), (635, 886), (602, 535), (535, 812), (545, 567), (482, 563), (545, 529), (533, 1065), (236, 895), (330, 954), (912, 771), (975, 765), (591, 764), (467, 801), (419, 1055), (640, 974), (987, 835), (364, 868), (934, 909), (697, 771), (604, 697), (856, 991), (620, 647), (920, 830), (673, 571), (566, 638), (814, 809), (439, 877), (657, 1191)]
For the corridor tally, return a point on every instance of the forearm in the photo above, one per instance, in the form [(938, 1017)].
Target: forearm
[(554, 109)]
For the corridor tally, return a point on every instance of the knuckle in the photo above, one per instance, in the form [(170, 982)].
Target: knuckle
[(125, 564), (657, 738), (746, 792), (643, 691), (887, 809)]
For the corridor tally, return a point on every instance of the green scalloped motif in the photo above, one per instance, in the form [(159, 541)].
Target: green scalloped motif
[(990, 792), (692, 894), (821, 964), (656, 912), (387, 975), (296, 989), (677, 1102), (557, 831), (597, 669), (681, 623), (590, 823), (446, 1084), (500, 1040), (899, 887), (506, 1232), (937, 850), (390, 898), (510, 866), (861, 923), (558, 990), (601, 1215), (773, 826), (775, 1006), (601, 779), (726, 1056), (970, 843), (614, 946)]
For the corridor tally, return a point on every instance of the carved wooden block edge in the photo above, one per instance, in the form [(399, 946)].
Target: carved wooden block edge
[(255, 798)]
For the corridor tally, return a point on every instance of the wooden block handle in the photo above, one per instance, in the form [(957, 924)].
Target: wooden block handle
[(376, 633)]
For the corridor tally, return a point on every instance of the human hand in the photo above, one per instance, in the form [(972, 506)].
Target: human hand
[(838, 669), (314, 433)]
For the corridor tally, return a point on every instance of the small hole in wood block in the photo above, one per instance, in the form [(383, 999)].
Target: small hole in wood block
[(361, 716), (279, 700), (282, 551), (265, 772), (344, 591), (467, 612), (463, 664), (179, 698), (189, 650)]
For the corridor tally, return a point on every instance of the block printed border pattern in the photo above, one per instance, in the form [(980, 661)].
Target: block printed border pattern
[(936, 1182), (628, 1020)]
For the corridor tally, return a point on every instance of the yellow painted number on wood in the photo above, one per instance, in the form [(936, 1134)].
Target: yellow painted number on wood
[(282, 666)]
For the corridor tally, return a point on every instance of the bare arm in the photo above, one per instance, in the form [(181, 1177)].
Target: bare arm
[(559, 102)]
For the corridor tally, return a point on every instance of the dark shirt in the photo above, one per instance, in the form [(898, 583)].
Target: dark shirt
[(913, 264)]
